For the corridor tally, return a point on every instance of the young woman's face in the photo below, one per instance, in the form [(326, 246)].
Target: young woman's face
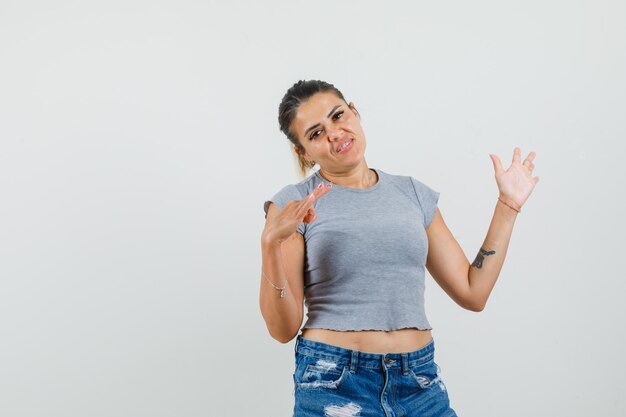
[(330, 132)]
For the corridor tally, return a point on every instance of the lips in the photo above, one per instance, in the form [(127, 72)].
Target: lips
[(344, 144)]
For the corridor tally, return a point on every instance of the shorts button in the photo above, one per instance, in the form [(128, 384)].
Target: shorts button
[(389, 361)]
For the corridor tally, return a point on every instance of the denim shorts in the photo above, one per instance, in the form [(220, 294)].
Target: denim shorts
[(331, 381)]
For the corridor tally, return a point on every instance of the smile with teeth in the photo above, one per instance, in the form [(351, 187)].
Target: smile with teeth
[(344, 146)]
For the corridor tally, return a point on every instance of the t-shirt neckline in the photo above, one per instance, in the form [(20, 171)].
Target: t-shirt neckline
[(356, 190)]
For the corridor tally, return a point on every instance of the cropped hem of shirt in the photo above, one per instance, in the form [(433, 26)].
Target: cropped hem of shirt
[(361, 329), (365, 255)]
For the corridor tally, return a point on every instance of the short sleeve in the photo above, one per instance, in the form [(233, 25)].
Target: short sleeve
[(427, 198), (286, 194)]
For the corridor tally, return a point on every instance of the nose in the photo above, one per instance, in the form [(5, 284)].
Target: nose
[(334, 134)]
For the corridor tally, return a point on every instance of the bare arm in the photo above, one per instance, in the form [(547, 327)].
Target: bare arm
[(485, 269), (470, 285), (282, 253), (283, 264)]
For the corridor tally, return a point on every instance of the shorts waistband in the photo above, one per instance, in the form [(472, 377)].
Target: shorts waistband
[(371, 360)]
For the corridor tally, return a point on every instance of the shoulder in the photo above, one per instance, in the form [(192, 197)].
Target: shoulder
[(303, 188), (307, 185), (296, 191), (403, 181), (420, 193)]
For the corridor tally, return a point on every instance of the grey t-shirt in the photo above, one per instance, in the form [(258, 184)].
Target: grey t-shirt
[(365, 254)]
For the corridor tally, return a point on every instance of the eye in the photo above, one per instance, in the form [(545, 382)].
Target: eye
[(338, 115), (315, 134)]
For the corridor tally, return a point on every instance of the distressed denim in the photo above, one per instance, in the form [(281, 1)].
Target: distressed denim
[(331, 381)]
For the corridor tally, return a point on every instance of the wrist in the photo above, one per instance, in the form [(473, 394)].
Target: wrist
[(510, 204), (268, 241)]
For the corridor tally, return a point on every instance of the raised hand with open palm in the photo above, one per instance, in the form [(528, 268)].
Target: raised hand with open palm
[(517, 182)]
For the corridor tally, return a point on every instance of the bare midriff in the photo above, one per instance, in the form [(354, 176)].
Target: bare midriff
[(372, 341)]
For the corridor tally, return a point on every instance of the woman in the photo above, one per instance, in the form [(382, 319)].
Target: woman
[(351, 243)]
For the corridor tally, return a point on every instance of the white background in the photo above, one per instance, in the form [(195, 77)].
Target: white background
[(139, 139)]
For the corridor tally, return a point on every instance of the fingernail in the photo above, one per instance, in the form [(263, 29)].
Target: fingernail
[(321, 185)]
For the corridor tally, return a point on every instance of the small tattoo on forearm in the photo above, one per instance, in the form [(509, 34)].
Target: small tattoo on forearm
[(478, 262)]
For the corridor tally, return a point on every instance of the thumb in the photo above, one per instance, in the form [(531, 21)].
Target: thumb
[(497, 165)]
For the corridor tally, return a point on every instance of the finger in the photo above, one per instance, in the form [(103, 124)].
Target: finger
[(323, 190), (320, 191), (497, 165), (517, 153), (530, 158), (309, 199), (307, 203), (310, 216)]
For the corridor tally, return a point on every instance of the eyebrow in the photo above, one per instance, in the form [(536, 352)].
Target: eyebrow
[(327, 116)]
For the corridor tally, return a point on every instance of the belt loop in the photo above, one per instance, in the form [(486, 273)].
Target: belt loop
[(405, 364), (354, 361), (295, 347)]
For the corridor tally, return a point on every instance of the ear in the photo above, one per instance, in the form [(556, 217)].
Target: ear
[(301, 153), (352, 107)]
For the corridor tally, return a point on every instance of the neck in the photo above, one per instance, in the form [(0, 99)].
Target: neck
[(360, 177)]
